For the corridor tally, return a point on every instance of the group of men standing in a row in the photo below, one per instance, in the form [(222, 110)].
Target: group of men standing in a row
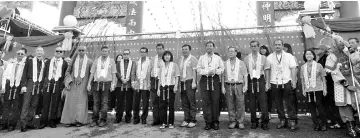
[(136, 81)]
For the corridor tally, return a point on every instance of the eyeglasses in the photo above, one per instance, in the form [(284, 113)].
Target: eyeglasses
[(20, 54), (126, 53), (81, 50), (253, 46), (58, 51)]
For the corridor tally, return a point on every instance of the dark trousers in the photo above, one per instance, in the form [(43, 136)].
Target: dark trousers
[(188, 101), (316, 107), (211, 98), (11, 113), (51, 98), (258, 98), (284, 93), (138, 96), (167, 100), (101, 97), (40, 104), (155, 99), (331, 110), (270, 100), (28, 109), (113, 99), (121, 93)]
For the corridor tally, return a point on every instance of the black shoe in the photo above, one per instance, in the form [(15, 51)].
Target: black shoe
[(30, 127), (136, 122), (323, 127), (216, 126), (281, 125), (207, 126), (128, 121), (292, 126), (317, 127), (4, 127), (254, 125), (264, 126), (23, 129), (155, 123), (351, 131), (143, 122), (117, 121), (42, 126), (53, 125), (11, 128)]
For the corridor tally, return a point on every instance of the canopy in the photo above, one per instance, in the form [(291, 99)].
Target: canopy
[(340, 25)]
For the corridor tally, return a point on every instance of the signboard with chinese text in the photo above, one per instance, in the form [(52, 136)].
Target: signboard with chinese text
[(134, 17), (265, 12)]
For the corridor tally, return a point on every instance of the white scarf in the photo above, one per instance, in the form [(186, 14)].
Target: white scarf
[(233, 75), (312, 81), (102, 72), (254, 73), (156, 69), (15, 77), (142, 69), (166, 74), (212, 62), (83, 67), (184, 65), (122, 65), (35, 71), (58, 69)]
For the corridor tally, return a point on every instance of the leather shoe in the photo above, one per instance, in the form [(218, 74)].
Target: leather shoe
[(4, 127), (30, 127), (102, 124), (53, 125), (281, 125), (317, 127), (11, 128), (128, 121), (264, 126), (42, 126), (155, 123), (143, 122), (23, 129), (254, 125), (117, 121), (216, 126), (94, 123), (136, 122), (207, 126)]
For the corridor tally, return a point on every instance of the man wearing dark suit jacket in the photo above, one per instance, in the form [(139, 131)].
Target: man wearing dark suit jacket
[(54, 74)]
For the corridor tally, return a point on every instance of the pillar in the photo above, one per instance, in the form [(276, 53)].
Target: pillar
[(349, 9)]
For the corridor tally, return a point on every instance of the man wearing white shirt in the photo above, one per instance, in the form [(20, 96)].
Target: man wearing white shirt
[(281, 73), (155, 65), (210, 67)]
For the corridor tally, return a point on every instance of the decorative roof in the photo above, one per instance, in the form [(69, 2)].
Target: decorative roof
[(20, 19)]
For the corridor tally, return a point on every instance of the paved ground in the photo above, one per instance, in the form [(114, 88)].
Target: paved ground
[(124, 130)]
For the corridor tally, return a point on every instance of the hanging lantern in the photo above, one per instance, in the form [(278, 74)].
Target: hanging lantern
[(70, 20)]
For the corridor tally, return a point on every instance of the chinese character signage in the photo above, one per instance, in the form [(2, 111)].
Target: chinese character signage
[(134, 17), (265, 12)]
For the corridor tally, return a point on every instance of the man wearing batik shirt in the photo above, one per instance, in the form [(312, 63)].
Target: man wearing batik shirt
[(103, 73), (156, 64), (142, 86), (281, 74), (32, 85), (337, 63), (234, 86), (11, 84), (126, 70), (210, 67), (54, 75), (188, 82), (257, 95)]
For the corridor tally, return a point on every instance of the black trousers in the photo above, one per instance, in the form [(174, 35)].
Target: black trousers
[(138, 96), (258, 98), (12, 107), (188, 100), (155, 99), (167, 100), (122, 93), (113, 99), (40, 104), (101, 99), (284, 93), (211, 98), (30, 103), (331, 110), (51, 97), (316, 107)]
